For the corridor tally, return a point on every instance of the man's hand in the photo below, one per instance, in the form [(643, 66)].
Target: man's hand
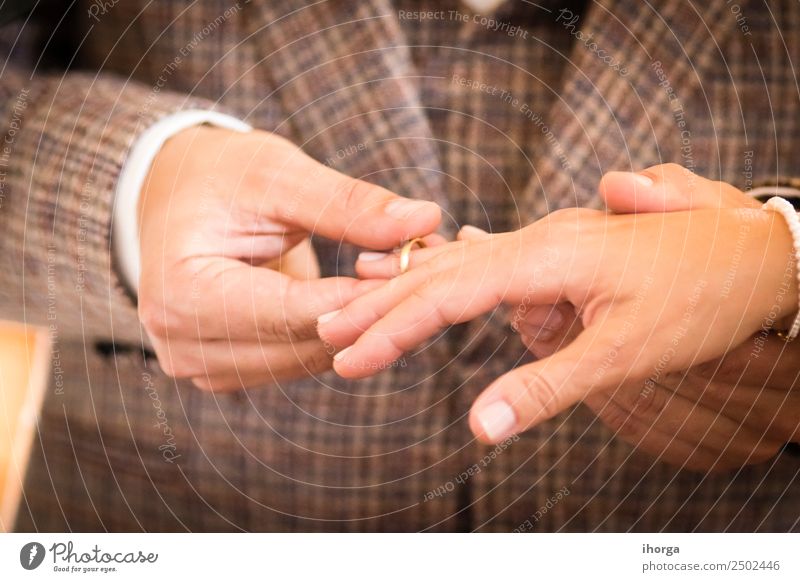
[(230, 289)]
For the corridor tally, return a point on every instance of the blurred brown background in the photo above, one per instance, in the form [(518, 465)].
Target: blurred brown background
[(24, 363)]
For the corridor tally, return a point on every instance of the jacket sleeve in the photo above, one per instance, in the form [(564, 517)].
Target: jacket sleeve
[(65, 138)]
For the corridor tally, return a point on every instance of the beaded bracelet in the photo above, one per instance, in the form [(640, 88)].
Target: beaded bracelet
[(785, 209)]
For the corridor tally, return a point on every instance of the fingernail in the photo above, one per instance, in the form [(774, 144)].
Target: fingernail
[(644, 180), (539, 318), (497, 420), (536, 333), (403, 208), (369, 256), (554, 320), (340, 356), (473, 231), (325, 317), (544, 335)]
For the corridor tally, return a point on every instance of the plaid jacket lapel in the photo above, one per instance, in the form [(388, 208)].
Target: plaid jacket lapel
[(348, 89), (631, 72)]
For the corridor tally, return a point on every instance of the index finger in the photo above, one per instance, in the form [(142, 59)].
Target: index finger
[(232, 300), (452, 288), (407, 311)]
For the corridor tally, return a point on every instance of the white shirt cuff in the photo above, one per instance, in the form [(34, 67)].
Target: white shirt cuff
[(125, 218)]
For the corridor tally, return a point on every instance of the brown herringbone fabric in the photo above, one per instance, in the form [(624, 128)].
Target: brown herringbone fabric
[(325, 454)]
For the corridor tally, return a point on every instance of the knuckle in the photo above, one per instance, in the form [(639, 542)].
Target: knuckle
[(723, 188), (432, 272), (622, 422), (177, 361), (166, 365), (397, 345), (153, 317), (166, 368), (672, 167), (176, 365), (430, 304), (351, 193), (163, 358), (669, 172), (421, 294), (646, 403), (428, 276), (565, 215), (160, 318), (282, 327), (612, 415), (707, 370), (717, 394), (318, 361), (180, 368), (278, 329), (539, 394)]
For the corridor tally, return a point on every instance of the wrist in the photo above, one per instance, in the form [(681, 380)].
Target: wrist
[(171, 162), (778, 277), (192, 152), (133, 179)]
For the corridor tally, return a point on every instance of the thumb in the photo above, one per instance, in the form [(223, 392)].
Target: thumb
[(328, 203), (531, 394), (668, 188)]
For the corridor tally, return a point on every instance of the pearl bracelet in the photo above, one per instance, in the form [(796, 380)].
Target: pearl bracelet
[(785, 209)]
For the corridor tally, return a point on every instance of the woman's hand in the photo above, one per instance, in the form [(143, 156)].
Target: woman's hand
[(732, 411), (655, 293)]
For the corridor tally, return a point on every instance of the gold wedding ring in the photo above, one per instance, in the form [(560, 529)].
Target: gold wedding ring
[(405, 253)]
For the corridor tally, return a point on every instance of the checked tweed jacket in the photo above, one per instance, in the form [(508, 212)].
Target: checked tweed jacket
[(122, 447)]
